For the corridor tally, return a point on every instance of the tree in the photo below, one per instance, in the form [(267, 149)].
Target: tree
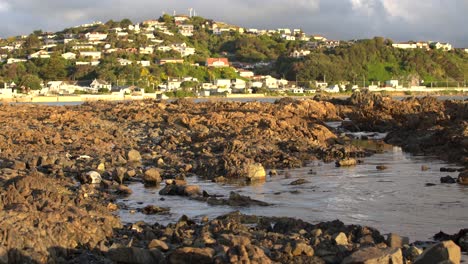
[(30, 82), (125, 23)]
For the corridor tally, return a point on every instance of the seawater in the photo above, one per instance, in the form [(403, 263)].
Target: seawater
[(392, 200)]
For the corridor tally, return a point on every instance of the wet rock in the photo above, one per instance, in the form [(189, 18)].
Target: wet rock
[(180, 189), (373, 255), (152, 210), (346, 163), (192, 255), (463, 178), (448, 179), (135, 255), (299, 182), (255, 172), (447, 169), (134, 156), (381, 167), (236, 199), (124, 190), (411, 253), (444, 251), (152, 177), (424, 168), (396, 241), (158, 244)]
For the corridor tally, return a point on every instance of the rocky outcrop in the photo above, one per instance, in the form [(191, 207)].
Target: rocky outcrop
[(446, 251)]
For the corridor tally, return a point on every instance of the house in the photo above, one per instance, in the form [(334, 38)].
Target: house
[(319, 38), (252, 31), (222, 83), (95, 36), (321, 85), (69, 56), (122, 90), (164, 48), (246, 74), (42, 54), (58, 87), (152, 23), (146, 50), (179, 19), (14, 60), (164, 61), (331, 89), (186, 30), (288, 37), (271, 82), (122, 34), (217, 62), (238, 84), (466, 50), (442, 46), (83, 47), (91, 63), (299, 53), (150, 36), (144, 63), (423, 45), (124, 62), (173, 84), (405, 45), (332, 43), (95, 55)]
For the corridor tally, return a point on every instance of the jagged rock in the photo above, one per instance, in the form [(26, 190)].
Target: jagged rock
[(448, 179), (372, 255), (255, 172), (396, 241), (158, 244), (438, 253), (341, 239)]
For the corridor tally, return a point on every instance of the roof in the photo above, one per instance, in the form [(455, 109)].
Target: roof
[(217, 61)]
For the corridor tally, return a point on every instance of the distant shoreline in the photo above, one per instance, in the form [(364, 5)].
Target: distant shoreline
[(90, 98)]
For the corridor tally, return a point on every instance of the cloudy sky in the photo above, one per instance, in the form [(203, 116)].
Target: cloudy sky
[(400, 20)]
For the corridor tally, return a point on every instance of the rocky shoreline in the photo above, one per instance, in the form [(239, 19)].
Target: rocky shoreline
[(62, 169)]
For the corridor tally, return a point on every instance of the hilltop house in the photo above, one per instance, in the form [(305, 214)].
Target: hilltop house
[(300, 53), (217, 62), (95, 36), (442, 46), (95, 55), (186, 30), (14, 60)]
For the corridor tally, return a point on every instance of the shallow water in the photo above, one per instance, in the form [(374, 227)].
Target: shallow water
[(393, 200)]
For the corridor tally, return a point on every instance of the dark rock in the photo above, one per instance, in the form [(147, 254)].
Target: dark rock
[(192, 255), (299, 182), (448, 179), (152, 209), (236, 199), (438, 253), (381, 167), (133, 255)]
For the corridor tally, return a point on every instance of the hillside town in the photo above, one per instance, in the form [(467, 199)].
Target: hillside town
[(153, 44)]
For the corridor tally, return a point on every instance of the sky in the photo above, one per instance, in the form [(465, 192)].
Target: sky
[(400, 20)]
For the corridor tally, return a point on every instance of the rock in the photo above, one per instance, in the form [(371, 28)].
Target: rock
[(192, 190), (424, 168), (341, 239), (381, 167), (446, 169), (448, 179), (101, 167), (346, 163), (299, 182), (233, 240), (302, 249), (152, 209), (396, 241), (444, 251), (119, 174), (134, 156), (236, 199), (3, 255), (374, 255), (93, 177), (135, 255), (273, 173), (192, 255), (411, 253), (158, 244), (255, 172), (152, 177), (463, 178), (124, 190), (177, 187)]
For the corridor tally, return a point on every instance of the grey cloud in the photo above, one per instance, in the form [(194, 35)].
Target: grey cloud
[(338, 19)]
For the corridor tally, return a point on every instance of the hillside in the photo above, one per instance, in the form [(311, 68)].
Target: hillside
[(128, 53)]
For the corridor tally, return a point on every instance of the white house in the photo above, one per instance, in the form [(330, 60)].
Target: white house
[(173, 84), (246, 74), (95, 36), (238, 84), (222, 83), (319, 38), (69, 56), (405, 45), (146, 50), (100, 84), (392, 83), (271, 82), (95, 55), (164, 48), (332, 89), (442, 46), (124, 62), (42, 54), (14, 60), (186, 30), (321, 85), (92, 63), (288, 37), (300, 53), (144, 63)]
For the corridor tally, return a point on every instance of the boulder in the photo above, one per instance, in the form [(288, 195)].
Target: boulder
[(133, 156), (381, 167), (346, 163), (152, 209), (255, 172), (463, 177), (302, 249), (441, 252), (158, 244), (374, 255), (152, 177), (396, 241), (192, 255)]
